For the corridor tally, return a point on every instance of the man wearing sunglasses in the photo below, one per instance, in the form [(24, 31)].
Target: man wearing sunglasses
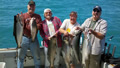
[(94, 29)]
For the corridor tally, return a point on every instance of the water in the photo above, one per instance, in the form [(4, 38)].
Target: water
[(61, 9)]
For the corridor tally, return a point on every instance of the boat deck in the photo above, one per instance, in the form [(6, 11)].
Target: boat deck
[(59, 67), (9, 56)]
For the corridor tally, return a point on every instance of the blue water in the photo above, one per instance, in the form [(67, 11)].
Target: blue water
[(61, 9)]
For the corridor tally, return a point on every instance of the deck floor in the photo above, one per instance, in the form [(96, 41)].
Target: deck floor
[(77, 66)]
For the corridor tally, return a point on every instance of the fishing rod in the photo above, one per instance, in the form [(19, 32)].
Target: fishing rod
[(110, 38)]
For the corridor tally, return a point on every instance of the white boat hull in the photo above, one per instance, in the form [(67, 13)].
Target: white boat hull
[(9, 58)]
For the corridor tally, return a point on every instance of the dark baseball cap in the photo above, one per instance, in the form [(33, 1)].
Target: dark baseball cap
[(98, 8), (31, 2)]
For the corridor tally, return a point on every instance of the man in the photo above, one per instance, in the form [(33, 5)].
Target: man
[(68, 29), (50, 29), (27, 41), (96, 28)]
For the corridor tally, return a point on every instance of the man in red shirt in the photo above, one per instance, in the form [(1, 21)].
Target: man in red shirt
[(27, 41), (50, 27)]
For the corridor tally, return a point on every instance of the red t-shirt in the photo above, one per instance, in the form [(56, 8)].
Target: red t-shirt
[(26, 19)]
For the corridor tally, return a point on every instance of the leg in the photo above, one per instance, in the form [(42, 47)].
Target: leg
[(22, 52), (35, 50), (47, 64), (94, 61)]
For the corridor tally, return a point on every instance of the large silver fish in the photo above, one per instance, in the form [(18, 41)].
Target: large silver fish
[(33, 28), (76, 45), (52, 51), (66, 52), (86, 49), (18, 30)]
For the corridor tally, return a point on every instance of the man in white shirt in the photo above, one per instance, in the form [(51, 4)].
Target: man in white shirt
[(68, 29)]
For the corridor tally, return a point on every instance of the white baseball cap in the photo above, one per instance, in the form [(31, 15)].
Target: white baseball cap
[(47, 10)]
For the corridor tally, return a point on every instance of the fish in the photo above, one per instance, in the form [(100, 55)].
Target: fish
[(52, 50), (66, 52), (86, 50), (76, 45), (18, 30), (33, 28)]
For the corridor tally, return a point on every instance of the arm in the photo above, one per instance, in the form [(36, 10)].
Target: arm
[(59, 23), (42, 33), (22, 19), (61, 30), (102, 32), (82, 27), (97, 34), (38, 22)]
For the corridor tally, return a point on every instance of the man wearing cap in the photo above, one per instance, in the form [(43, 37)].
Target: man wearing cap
[(50, 28), (26, 40), (95, 29)]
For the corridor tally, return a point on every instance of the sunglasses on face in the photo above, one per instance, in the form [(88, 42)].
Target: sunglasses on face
[(96, 10), (48, 12)]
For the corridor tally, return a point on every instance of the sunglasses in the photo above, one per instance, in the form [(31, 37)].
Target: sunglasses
[(96, 10)]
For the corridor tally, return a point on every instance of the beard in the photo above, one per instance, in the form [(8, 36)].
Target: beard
[(48, 17)]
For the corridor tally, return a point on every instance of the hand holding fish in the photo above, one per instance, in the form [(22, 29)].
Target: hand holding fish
[(97, 34), (78, 28), (90, 31), (21, 17), (71, 35), (52, 36), (66, 33), (49, 38)]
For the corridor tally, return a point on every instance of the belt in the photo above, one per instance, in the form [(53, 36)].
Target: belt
[(26, 36)]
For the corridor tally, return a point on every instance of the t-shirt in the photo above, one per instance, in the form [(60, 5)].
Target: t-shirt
[(92, 24), (27, 18), (51, 28), (66, 25)]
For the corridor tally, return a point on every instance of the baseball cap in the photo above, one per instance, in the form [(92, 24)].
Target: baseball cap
[(31, 2), (98, 8), (47, 10)]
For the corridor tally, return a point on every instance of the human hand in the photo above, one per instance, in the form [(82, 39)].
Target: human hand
[(20, 16), (78, 28), (66, 33), (33, 18), (71, 35), (55, 34), (49, 38), (90, 31)]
